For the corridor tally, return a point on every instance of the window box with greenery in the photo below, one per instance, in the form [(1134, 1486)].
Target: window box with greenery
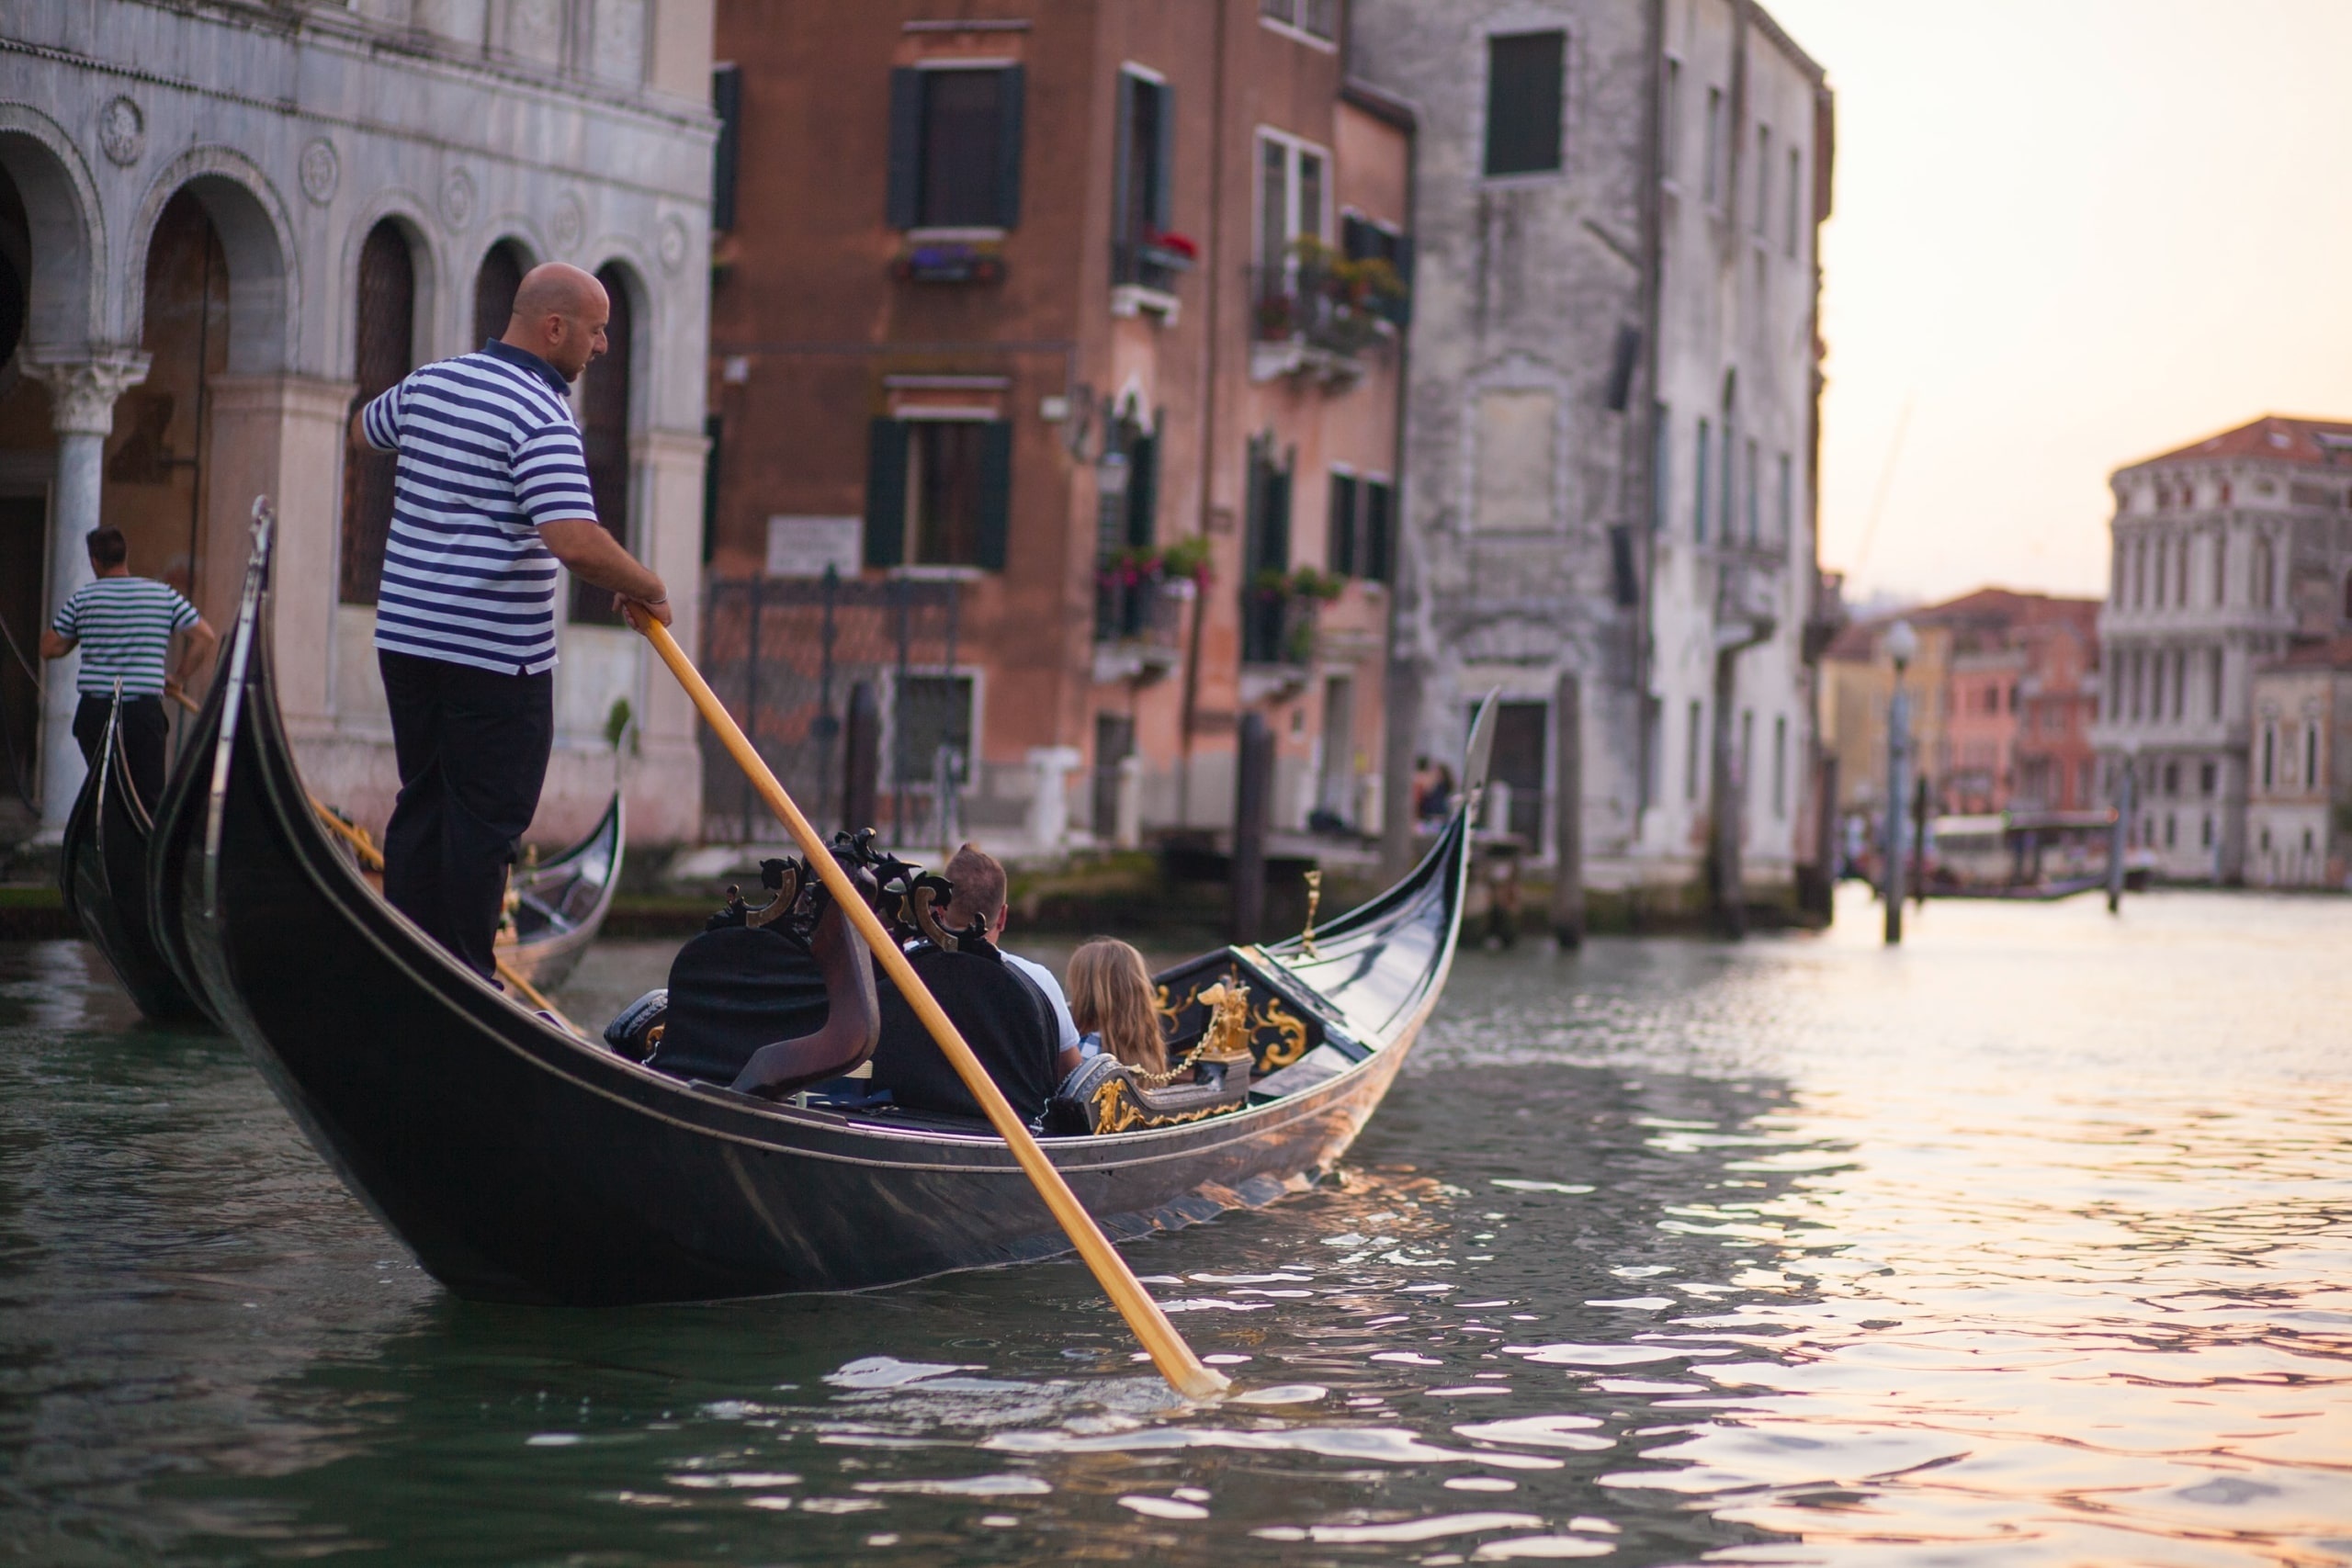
[(1278, 615), (1321, 310), (948, 262)]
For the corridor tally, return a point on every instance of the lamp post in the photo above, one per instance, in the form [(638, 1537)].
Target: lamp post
[(1902, 643)]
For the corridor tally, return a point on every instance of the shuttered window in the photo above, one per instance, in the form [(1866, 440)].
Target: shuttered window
[(938, 492), (1341, 530), (1379, 531), (727, 104), (1525, 80), (956, 148), (1142, 205)]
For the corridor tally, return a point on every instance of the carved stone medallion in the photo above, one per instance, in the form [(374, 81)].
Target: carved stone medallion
[(321, 171), (458, 199), (122, 130)]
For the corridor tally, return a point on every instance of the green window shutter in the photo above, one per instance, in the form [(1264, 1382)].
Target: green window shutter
[(1143, 491), (1163, 198), (1278, 518), (1123, 195), (996, 493), (905, 200), (1342, 542), (886, 493), (1008, 148), (1380, 532)]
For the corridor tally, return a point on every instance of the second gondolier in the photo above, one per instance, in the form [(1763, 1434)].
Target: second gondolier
[(491, 493)]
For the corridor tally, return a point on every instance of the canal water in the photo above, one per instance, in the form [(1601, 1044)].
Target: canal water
[(2030, 1243)]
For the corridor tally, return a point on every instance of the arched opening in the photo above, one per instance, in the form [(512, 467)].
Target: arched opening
[(495, 282), (605, 395), (155, 459), (2347, 596), (24, 435), (383, 351)]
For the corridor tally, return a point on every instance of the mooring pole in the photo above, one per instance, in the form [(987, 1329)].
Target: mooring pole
[(2119, 832), (1902, 642), (1567, 814), (1253, 786), (1919, 842)]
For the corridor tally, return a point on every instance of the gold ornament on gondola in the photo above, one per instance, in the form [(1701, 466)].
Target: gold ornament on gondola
[(1314, 897)]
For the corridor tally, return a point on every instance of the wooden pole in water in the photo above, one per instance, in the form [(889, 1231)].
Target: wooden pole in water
[(1169, 1352), (1567, 814), (1253, 787)]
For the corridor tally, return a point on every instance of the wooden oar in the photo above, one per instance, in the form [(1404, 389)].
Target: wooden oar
[(1169, 1352), (373, 859)]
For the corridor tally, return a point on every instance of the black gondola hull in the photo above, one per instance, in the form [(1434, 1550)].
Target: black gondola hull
[(103, 873), (521, 1164)]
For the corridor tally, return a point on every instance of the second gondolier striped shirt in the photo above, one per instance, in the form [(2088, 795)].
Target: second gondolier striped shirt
[(488, 452)]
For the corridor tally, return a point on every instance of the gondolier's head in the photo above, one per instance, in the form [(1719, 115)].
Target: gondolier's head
[(560, 315), (107, 548)]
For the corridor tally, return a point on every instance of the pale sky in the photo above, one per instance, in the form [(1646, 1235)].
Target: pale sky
[(2070, 234)]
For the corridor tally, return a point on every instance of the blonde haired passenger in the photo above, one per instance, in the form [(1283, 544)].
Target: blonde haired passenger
[(1110, 1000)]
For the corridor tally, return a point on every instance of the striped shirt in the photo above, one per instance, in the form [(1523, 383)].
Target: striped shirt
[(124, 625), (488, 452)]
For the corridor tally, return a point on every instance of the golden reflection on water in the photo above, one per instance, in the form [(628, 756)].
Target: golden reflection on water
[(2026, 1244)]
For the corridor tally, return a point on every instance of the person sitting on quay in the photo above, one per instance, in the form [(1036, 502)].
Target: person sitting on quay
[(1003, 1015), (124, 626), (1110, 993)]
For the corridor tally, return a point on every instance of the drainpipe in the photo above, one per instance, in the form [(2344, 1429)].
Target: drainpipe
[(1214, 325)]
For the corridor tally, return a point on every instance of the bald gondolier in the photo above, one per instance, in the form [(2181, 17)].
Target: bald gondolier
[(490, 493)]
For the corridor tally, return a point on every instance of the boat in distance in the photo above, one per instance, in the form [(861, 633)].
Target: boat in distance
[(523, 1163)]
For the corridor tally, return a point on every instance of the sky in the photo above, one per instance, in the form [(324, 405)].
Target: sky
[(2067, 234)]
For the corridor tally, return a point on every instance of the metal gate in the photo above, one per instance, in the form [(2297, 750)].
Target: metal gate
[(784, 654)]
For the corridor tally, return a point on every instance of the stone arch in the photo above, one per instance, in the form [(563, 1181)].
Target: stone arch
[(256, 238), (497, 267), (613, 404), (427, 264), (645, 329), (67, 266)]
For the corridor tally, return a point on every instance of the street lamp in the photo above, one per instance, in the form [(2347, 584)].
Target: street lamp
[(1902, 646)]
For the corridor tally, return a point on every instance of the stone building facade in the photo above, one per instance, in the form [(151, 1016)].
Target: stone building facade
[(1055, 387), (1613, 415), (2226, 553), (221, 222), (2298, 787)]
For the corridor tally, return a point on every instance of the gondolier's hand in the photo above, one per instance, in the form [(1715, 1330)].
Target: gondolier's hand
[(175, 690), (632, 608)]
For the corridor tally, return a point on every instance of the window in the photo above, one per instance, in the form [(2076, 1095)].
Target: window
[(2270, 754), (1763, 177), (1789, 199), (1661, 464), (1691, 756), (2180, 577), (1290, 196), (2172, 778), (605, 397), (1698, 491), (2205, 838), (1266, 624), (2139, 573), (383, 350), (2258, 586), (1525, 74), (2221, 566), (2164, 555), (2205, 778), (930, 714), (1140, 201), (1341, 540), (1669, 150), (727, 104), (2179, 685), (495, 284), (1754, 489), (938, 492), (1712, 151), (2214, 685), (1781, 766), (1788, 499), (2311, 755), (956, 148), (1316, 18)]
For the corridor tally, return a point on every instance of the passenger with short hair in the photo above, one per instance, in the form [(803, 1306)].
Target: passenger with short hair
[(1110, 996), (124, 626), (1002, 1014)]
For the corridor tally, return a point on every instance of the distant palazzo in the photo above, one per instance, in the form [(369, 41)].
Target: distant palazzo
[(220, 225), (2227, 553)]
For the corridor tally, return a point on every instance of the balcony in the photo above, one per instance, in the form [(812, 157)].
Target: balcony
[(1278, 630), (1320, 314), (1138, 625)]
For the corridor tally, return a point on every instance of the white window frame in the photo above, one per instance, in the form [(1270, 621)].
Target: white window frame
[(1299, 34), (1294, 148)]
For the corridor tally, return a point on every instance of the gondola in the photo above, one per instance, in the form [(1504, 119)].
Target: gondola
[(559, 904), (102, 871), (521, 1163)]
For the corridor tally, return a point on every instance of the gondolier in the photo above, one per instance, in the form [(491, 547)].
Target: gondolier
[(124, 626), (490, 493)]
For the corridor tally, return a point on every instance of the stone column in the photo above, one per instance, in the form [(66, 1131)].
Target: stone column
[(666, 797), (81, 393)]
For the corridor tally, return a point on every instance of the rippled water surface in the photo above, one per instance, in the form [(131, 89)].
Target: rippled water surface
[(2030, 1243)]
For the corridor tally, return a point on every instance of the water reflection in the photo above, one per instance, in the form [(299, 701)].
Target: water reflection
[(2027, 1244)]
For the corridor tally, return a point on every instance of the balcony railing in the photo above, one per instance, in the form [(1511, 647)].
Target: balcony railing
[(1277, 628), (1320, 307)]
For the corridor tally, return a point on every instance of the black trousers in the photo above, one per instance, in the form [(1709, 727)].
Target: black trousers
[(145, 737), (472, 748)]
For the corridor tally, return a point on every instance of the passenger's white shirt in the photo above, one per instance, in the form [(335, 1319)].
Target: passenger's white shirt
[(1063, 1026)]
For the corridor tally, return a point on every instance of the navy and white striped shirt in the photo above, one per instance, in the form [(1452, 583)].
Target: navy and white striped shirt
[(124, 625), (488, 452)]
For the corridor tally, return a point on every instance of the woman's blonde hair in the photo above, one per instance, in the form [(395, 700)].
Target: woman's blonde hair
[(1110, 995)]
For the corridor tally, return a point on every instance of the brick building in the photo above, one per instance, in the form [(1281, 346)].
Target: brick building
[(1054, 374)]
